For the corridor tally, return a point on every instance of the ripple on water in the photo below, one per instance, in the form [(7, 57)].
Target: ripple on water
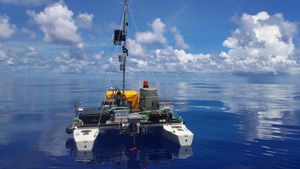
[(4, 137)]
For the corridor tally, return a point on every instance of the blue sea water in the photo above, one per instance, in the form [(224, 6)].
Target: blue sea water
[(238, 122)]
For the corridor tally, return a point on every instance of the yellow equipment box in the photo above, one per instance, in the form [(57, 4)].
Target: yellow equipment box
[(131, 96)]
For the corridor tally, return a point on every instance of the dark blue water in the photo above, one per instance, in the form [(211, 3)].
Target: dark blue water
[(237, 122)]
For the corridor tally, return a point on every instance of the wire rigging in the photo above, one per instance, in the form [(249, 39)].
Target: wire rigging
[(134, 23)]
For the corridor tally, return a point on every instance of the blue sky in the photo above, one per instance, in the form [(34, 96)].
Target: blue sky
[(185, 36)]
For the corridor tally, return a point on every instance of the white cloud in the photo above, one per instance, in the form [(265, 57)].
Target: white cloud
[(99, 55), (179, 39), (143, 57), (31, 51), (158, 26), (64, 62), (30, 58), (84, 20), (140, 65), (171, 59), (6, 28), (24, 58), (262, 43), (154, 36), (97, 60), (10, 61), (135, 49), (3, 55), (185, 58), (57, 24), (5, 58)]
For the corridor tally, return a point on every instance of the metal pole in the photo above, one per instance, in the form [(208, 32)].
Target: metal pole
[(125, 51)]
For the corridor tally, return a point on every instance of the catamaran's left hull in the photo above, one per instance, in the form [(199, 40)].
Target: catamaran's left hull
[(85, 137)]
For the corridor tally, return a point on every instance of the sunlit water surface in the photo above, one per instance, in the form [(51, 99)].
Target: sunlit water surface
[(237, 122)]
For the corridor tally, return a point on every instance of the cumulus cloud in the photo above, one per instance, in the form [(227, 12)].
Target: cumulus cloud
[(66, 63), (6, 28), (262, 43), (30, 58), (57, 23), (27, 58), (170, 59), (140, 65), (135, 48), (154, 36), (6, 60), (179, 40), (84, 20), (143, 57)]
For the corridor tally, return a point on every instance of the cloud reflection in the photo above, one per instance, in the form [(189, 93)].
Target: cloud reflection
[(264, 109)]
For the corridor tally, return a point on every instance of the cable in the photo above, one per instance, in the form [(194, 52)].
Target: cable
[(152, 73)]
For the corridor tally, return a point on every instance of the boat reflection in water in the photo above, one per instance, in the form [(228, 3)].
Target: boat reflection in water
[(130, 152)]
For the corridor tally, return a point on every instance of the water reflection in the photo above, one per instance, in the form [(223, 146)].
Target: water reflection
[(130, 152), (263, 109)]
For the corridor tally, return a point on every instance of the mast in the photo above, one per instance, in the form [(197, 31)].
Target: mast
[(120, 39), (124, 49)]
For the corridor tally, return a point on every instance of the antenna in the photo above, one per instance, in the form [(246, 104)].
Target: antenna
[(120, 39)]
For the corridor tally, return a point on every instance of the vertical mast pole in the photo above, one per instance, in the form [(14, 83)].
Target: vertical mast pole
[(125, 51)]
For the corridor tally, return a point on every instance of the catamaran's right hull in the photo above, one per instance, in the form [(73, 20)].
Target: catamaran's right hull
[(178, 133)]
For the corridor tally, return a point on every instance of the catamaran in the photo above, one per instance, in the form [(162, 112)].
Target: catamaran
[(128, 112)]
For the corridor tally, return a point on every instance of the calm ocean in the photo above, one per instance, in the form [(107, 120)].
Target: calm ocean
[(238, 122)]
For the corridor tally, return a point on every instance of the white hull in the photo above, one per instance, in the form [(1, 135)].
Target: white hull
[(85, 137), (178, 133)]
